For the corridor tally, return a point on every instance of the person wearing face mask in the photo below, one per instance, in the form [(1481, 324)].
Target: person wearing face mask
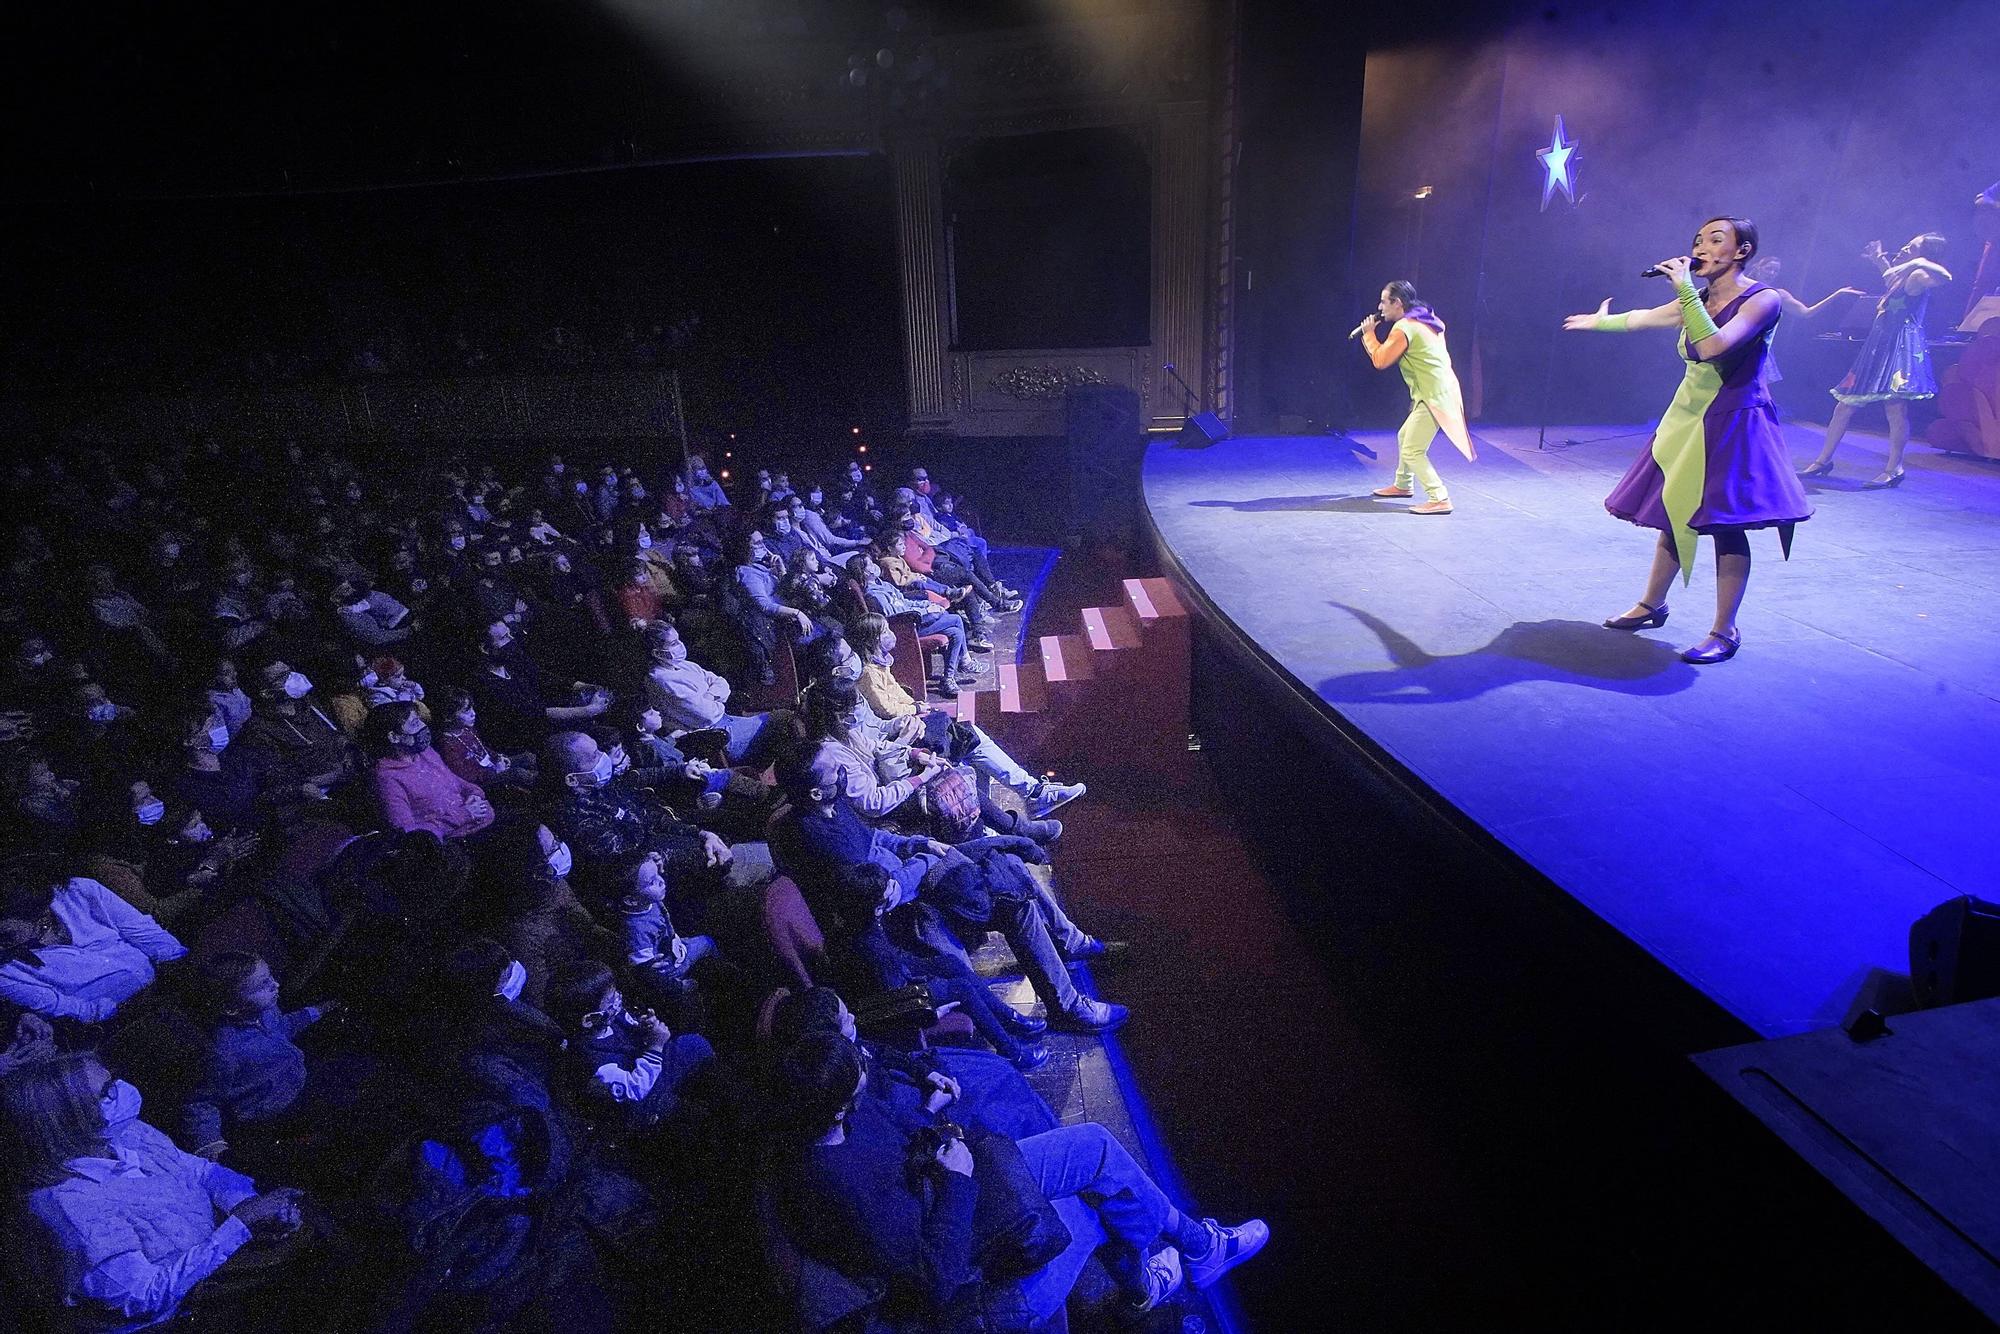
[(888, 600), (252, 1084), (225, 694), (624, 1060), (47, 801), (811, 516), (762, 618), (887, 699), (306, 749), (132, 1218), (821, 835), (391, 684), (781, 534), (836, 724), (600, 820), (522, 870), (689, 697), (412, 785), (369, 617), (515, 707), (484, 991), (72, 949), (703, 490), (467, 755)]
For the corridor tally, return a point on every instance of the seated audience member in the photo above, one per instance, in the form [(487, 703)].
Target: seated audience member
[(370, 618), (48, 804), (977, 1089), (466, 754), (878, 940), (958, 742), (307, 749), (251, 1072), (228, 782), (514, 703), (628, 1059), (836, 727), (634, 888), (72, 948), (225, 693), (387, 681), (705, 492), (763, 619), (820, 835), (413, 787), (849, 1198), (129, 1220), (690, 697), (529, 909), (483, 1008), (888, 600), (811, 515)]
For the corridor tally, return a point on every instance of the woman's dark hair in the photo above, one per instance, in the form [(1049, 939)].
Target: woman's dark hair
[(575, 991), (1930, 245), (222, 977), (470, 973), (798, 1015), (739, 544), (825, 703), (856, 892), (817, 1079), (384, 722), (817, 658), (1405, 292), (1746, 233), (513, 870), (28, 885)]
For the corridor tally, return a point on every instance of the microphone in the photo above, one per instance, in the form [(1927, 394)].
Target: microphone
[(1356, 333), (1657, 272)]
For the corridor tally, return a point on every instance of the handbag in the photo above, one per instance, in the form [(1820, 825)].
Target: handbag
[(904, 1006), (950, 806)]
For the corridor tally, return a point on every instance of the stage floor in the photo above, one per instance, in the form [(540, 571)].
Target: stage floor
[(1768, 827)]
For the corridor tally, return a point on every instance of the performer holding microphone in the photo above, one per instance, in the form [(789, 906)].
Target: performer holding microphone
[(1416, 346), (1716, 463)]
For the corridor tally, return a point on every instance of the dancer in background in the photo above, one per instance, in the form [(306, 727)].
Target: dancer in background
[(1986, 226), (1894, 365), (1415, 345), (1764, 270), (1716, 464)]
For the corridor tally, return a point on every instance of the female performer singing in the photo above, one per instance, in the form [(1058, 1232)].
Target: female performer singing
[(1893, 367), (1716, 464), (1415, 345)]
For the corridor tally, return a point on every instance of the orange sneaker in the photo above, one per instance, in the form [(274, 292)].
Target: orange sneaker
[(1432, 507)]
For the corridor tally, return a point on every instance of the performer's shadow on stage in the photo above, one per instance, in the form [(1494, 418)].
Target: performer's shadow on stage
[(1313, 504), (1577, 652)]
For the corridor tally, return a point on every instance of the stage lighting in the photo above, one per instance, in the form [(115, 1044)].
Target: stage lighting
[(1559, 170), (1422, 193)]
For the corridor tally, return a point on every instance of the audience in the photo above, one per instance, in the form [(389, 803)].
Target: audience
[(335, 723)]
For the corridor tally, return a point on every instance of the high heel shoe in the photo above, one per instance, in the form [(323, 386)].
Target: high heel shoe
[(1654, 616), (1817, 468), (1885, 482), (1701, 655)]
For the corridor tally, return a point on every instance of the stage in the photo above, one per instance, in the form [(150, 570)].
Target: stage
[(1767, 828)]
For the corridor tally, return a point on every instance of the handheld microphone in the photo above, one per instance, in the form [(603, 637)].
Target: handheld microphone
[(1657, 272), (1356, 332)]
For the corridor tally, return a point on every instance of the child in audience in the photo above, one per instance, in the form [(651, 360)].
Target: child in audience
[(251, 1070), (625, 1059)]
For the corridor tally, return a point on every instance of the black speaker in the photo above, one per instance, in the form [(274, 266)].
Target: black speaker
[(1955, 952), (1202, 430)]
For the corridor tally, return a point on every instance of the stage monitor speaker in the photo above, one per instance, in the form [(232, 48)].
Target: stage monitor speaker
[(1202, 430), (1955, 952)]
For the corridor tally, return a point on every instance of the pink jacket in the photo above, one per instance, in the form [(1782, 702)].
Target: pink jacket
[(419, 792)]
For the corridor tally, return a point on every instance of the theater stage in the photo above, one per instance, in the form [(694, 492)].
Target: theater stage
[(1767, 828)]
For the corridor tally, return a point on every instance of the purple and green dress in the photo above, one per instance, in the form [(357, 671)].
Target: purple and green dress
[(1717, 460)]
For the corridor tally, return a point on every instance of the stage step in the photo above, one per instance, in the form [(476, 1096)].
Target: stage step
[(1066, 658), (1153, 601), (1023, 689), (1110, 628)]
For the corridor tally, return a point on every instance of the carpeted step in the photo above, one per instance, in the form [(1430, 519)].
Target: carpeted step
[(1110, 628), (1066, 658), (1023, 689)]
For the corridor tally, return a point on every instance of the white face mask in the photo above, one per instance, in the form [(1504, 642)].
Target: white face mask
[(201, 833), (560, 860), (150, 811), (369, 678), (218, 737), (103, 711), (119, 1104), (511, 981), (297, 686), (645, 541)]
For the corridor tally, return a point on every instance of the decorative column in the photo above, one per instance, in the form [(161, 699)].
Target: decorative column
[(920, 257), (1181, 176)]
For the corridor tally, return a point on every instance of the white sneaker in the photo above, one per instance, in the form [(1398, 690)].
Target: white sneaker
[(1163, 1277), (1228, 1248)]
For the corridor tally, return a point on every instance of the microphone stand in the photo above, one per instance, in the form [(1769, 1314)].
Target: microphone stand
[(1188, 396)]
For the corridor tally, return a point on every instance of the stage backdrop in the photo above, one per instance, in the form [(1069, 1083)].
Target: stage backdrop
[(1829, 123)]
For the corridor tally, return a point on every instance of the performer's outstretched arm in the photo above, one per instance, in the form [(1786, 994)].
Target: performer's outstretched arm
[(1384, 352), (1603, 321)]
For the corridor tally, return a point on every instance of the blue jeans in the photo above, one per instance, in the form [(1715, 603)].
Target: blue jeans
[(952, 627), (1102, 1195), (744, 731)]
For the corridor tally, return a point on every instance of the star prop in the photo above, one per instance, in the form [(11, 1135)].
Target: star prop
[(1558, 166)]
